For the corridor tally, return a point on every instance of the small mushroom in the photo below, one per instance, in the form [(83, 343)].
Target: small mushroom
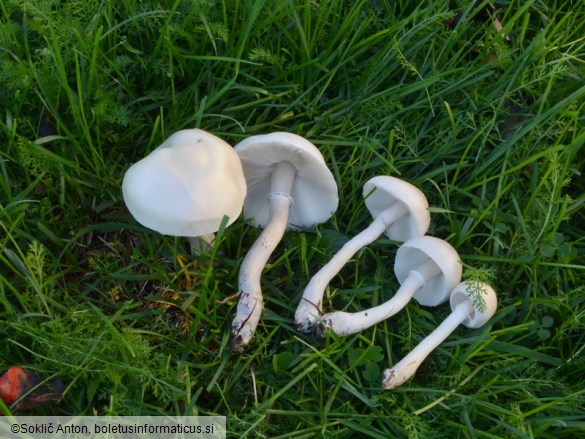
[(472, 305), (186, 186), (427, 268), (289, 187), (399, 209)]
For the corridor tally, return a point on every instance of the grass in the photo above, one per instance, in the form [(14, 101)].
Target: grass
[(488, 124)]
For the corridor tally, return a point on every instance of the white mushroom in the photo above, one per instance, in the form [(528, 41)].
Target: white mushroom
[(186, 186), (427, 268), (472, 304), (289, 186), (399, 209)]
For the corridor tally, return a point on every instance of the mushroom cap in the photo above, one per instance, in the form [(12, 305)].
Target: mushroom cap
[(417, 251), (383, 191), (186, 185), (463, 293), (314, 190)]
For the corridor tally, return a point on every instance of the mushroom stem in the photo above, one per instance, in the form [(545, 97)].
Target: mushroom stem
[(251, 303), (345, 323), (406, 368), (309, 310), (201, 243)]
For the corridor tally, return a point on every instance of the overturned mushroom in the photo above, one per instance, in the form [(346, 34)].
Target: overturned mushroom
[(472, 304), (289, 186), (427, 268), (186, 186), (399, 209)]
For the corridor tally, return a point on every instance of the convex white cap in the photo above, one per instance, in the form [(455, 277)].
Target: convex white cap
[(383, 191), (314, 190), (414, 253), (483, 298), (186, 185)]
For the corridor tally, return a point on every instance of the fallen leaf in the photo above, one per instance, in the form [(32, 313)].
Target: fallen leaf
[(24, 389)]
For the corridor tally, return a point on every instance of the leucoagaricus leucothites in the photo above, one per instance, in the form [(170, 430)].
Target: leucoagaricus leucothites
[(472, 305), (427, 268), (400, 210), (186, 186), (289, 187)]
